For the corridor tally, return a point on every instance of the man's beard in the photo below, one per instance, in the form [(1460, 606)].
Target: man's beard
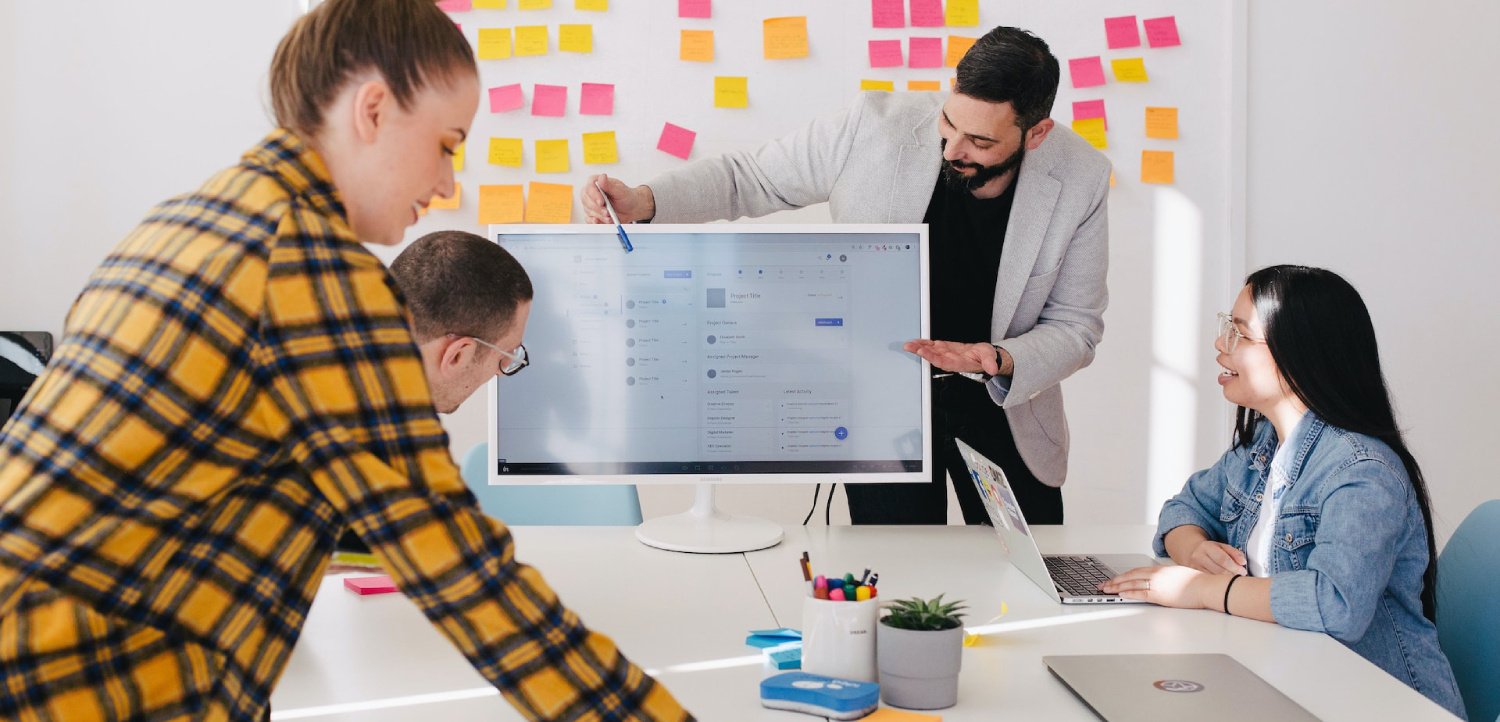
[(984, 173)]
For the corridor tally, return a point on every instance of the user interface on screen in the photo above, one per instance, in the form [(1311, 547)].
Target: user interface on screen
[(711, 351)]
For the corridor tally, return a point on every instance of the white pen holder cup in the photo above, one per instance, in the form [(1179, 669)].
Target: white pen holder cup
[(838, 638)]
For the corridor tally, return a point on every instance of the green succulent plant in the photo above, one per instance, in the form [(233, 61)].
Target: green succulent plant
[(924, 615)]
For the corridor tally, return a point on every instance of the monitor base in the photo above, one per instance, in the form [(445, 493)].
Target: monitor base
[(706, 530)]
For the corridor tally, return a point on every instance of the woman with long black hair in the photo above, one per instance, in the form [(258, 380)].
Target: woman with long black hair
[(1317, 518)]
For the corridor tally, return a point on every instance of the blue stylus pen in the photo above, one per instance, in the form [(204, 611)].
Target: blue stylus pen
[(619, 229)]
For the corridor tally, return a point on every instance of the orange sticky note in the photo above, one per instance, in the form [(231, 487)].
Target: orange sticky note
[(1157, 167), (505, 151), (785, 38), (575, 38), (552, 156), (549, 203), (1161, 122), (930, 85), (600, 148), (458, 157), (888, 86), (531, 40), (439, 203), (962, 13), (500, 204), (1092, 130), (957, 46), (1129, 70), (731, 92), (494, 43), (597, 6), (891, 714), (697, 46)]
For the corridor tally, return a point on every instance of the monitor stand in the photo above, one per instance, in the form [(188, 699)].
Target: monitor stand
[(706, 530)]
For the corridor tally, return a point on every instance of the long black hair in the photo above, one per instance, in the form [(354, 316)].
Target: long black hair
[(1321, 338)]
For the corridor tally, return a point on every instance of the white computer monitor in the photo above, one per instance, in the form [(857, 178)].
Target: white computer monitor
[(711, 354)]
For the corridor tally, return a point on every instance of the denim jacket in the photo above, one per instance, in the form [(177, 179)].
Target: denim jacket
[(1349, 548)]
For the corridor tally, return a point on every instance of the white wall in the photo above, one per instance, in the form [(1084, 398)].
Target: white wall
[(1372, 151)]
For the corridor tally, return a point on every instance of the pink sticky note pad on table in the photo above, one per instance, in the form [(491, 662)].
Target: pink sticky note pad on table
[(926, 53), (1085, 109), (506, 97), (885, 54), (1162, 32), (381, 584), (927, 14), (695, 8), (549, 100), (598, 99), (676, 140), (887, 14), (1122, 32), (1086, 72)]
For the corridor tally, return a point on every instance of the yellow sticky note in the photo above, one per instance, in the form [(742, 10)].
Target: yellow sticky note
[(458, 157), (1092, 130), (531, 40), (785, 38), (1157, 166), (958, 45), (731, 92), (697, 46), (488, 4), (534, 4), (439, 203), (1161, 122), (494, 43), (505, 151), (500, 204), (923, 85), (575, 38), (597, 6), (549, 203), (1129, 70), (552, 156), (888, 86), (600, 148), (962, 13)]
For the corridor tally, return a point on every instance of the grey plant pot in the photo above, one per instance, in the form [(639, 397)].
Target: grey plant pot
[(919, 670)]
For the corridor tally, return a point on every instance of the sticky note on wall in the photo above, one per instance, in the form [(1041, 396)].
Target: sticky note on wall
[(600, 148), (552, 156), (506, 151), (531, 40), (924, 85), (697, 46), (494, 43), (1161, 122), (506, 97), (458, 157), (1157, 167), (927, 13), (454, 6), (1129, 70), (1086, 72), (695, 8), (962, 13), (575, 38), (489, 4), (881, 86), (534, 4), (549, 100), (598, 99), (549, 203), (958, 45), (1092, 130), (784, 38), (885, 54), (1162, 32), (926, 52), (1122, 32), (676, 140), (887, 14), (500, 204), (1085, 109), (597, 6), (731, 92)]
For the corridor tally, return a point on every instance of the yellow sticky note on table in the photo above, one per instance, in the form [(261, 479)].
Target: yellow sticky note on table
[(575, 38), (731, 92), (931, 85), (438, 203), (958, 45), (531, 40), (500, 204), (1129, 70), (552, 156), (1157, 166), (962, 13), (697, 46), (1161, 122), (458, 157), (505, 151), (549, 203), (488, 4), (1092, 130), (597, 6), (888, 86), (785, 38), (600, 148), (534, 4), (494, 43)]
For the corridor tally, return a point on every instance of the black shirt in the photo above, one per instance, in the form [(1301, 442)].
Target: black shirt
[(965, 236)]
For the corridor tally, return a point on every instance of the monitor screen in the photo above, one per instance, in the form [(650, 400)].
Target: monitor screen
[(743, 354)]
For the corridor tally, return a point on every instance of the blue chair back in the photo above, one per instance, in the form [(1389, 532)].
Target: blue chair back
[(550, 504), (1468, 619)]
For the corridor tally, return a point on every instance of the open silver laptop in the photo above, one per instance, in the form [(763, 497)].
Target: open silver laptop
[(1072, 578), (1155, 687)]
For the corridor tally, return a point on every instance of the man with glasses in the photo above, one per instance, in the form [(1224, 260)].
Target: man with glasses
[(988, 172)]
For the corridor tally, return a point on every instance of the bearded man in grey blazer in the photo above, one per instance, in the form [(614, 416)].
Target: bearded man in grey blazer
[(1018, 226)]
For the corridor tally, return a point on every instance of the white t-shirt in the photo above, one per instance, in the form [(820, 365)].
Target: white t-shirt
[(1258, 547)]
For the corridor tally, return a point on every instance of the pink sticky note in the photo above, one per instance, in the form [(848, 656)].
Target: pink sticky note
[(381, 584), (927, 14), (1086, 72), (1085, 109), (887, 14), (1162, 32), (598, 99), (695, 8), (885, 54), (676, 140), (456, 6), (549, 100), (926, 53), (506, 97), (1121, 32)]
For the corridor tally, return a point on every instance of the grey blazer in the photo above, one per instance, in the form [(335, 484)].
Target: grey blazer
[(877, 162)]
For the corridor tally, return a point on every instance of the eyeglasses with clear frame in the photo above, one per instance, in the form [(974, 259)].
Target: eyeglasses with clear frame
[(1230, 334), (514, 360)]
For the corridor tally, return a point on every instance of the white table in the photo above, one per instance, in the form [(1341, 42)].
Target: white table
[(684, 617)]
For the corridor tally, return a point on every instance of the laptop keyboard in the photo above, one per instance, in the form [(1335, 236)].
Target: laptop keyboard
[(1078, 575)]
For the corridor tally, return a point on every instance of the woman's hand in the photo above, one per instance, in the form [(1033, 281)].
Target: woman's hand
[(1217, 558), (1169, 586)]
